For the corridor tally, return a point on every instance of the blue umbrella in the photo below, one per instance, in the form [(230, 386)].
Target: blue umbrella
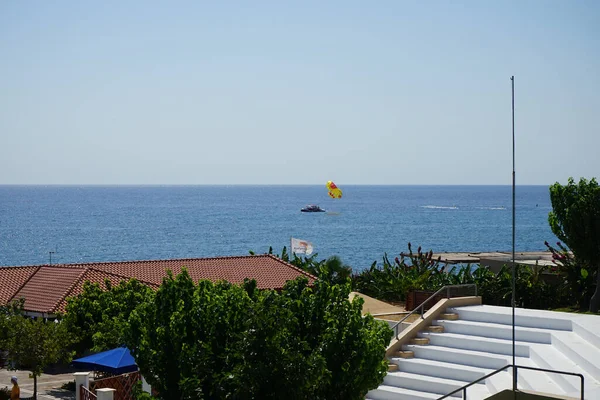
[(116, 361)]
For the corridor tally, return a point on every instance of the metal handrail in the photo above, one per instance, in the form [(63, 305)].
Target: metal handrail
[(422, 305), (516, 367)]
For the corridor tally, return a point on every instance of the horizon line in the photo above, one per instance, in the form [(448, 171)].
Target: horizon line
[(261, 184)]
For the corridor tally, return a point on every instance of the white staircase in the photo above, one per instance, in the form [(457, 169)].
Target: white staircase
[(480, 341)]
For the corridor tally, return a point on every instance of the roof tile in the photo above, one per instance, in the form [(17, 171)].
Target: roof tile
[(46, 288), (12, 279)]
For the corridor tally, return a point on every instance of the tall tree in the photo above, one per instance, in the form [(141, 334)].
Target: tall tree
[(33, 344), (227, 341), (98, 316), (7, 311), (575, 219)]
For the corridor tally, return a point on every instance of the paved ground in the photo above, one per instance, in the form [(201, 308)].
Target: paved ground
[(374, 306), (48, 384)]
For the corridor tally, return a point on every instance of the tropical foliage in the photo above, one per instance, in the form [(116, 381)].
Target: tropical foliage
[(420, 271), (332, 270), (392, 280)]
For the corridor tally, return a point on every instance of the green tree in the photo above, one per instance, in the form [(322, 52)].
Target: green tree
[(98, 316), (7, 311), (575, 220), (182, 338), (352, 346), (578, 283), (33, 344), (227, 341)]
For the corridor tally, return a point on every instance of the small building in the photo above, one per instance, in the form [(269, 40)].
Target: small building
[(46, 288)]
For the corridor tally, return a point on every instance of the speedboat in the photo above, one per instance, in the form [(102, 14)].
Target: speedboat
[(312, 208)]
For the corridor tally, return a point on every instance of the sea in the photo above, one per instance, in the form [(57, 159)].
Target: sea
[(82, 224)]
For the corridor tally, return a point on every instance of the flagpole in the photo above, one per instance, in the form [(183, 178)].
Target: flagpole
[(512, 79)]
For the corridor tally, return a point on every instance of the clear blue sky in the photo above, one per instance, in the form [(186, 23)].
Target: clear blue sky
[(257, 92)]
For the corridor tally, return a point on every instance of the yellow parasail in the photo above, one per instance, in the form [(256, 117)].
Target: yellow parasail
[(333, 191)]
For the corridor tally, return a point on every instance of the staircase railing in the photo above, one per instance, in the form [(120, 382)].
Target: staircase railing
[(421, 308), (515, 368), (86, 394)]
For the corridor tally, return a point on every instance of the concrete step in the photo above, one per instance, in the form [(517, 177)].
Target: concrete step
[(476, 343), (501, 381), (431, 384), (451, 316), (420, 341), (477, 340), (523, 317), (435, 328), (580, 351), (466, 358), (441, 369), (479, 359), (497, 331), (404, 354), (527, 379), (587, 332), (551, 358), (537, 381), (386, 392), (531, 380)]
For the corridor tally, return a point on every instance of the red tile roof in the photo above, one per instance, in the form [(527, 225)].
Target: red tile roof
[(46, 288), (12, 279)]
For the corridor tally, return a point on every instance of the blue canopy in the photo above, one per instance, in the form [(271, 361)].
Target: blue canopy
[(116, 361)]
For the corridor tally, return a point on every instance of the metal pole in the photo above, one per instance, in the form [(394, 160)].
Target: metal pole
[(512, 79)]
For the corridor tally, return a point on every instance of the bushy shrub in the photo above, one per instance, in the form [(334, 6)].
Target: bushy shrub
[(228, 341)]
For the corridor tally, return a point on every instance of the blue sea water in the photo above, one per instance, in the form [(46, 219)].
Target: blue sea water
[(116, 223)]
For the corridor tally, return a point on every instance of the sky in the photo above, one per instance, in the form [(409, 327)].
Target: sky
[(277, 92)]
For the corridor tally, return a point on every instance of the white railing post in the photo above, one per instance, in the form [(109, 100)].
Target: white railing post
[(81, 378), (105, 393)]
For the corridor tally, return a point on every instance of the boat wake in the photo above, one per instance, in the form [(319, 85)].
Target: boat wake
[(441, 207)]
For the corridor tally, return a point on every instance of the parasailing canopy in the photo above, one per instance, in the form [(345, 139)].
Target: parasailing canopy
[(333, 191)]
